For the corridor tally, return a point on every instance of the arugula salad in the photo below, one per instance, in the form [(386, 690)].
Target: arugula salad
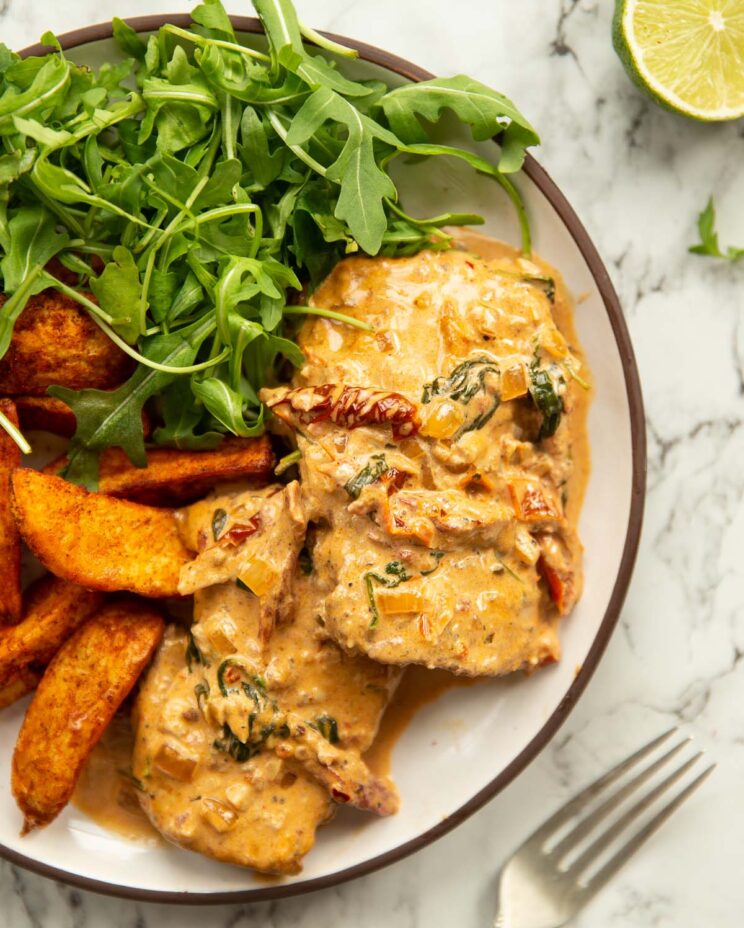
[(196, 192)]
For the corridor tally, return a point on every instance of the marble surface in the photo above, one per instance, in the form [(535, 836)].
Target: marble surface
[(637, 177)]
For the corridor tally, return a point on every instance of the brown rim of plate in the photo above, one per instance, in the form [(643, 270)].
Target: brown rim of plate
[(638, 438)]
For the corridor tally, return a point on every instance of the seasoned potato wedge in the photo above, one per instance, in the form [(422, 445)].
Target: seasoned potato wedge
[(19, 684), (56, 342), (77, 697), (10, 541), (96, 541), (52, 610), (45, 414), (175, 477)]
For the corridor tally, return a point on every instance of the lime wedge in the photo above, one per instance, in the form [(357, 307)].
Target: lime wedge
[(688, 54)]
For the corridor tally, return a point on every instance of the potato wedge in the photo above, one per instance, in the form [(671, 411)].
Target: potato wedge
[(45, 414), (19, 684), (96, 541), (10, 540), (56, 342), (52, 610), (78, 696), (174, 477)]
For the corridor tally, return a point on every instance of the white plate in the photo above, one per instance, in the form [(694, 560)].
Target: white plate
[(469, 744)]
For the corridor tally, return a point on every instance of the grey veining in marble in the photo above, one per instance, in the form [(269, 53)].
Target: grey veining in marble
[(637, 177)]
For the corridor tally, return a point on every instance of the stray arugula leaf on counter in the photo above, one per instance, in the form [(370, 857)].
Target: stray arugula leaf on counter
[(195, 188), (708, 244)]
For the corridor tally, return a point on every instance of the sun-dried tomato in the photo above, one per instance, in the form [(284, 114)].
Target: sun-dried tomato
[(349, 407), (240, 531)]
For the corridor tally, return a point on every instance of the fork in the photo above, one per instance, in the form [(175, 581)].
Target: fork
[(553, 875)]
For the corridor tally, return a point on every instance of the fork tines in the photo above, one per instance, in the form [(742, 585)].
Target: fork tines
[(566, 851)]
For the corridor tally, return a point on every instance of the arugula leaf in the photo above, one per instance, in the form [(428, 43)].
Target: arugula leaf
[(50, 80), (194, 206), (127, 39), (114, 418), (227, 406), (708, 244), (211, 14), (32, 241), (118, 290), (181, 417), (279, 19), (487, 112), (364, 185)]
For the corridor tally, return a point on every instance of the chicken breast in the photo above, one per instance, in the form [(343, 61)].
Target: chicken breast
[(246, 741), (437, 459)]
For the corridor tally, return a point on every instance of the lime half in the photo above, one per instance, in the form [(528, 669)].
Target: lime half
[(688, 54)]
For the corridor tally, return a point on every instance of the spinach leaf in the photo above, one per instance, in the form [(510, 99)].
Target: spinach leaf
[(465, 381), (546, 399), (229, 743), (375, 467)]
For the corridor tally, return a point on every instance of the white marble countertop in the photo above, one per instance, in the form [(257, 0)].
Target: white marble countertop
[(637, 176)]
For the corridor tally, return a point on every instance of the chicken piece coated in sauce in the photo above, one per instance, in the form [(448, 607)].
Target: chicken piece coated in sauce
[(245, 744), (448, 545)]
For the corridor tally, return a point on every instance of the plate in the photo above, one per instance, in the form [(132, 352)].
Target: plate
[(469, 744)]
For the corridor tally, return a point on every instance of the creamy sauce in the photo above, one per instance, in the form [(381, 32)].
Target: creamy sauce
[(418, 688), (106, 791)]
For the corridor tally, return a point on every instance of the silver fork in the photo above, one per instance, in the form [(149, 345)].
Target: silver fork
[(552, 876)]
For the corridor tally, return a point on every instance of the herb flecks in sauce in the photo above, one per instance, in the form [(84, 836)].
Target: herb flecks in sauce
[(194, 655), (327, 726), (201, 691), (395, 574)]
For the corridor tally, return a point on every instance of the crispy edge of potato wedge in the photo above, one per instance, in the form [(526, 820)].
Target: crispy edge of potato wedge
[(86, 682), (19, 684), (55, 343), (52, 611), (45, 414), (48, 414), (96, 541), (10, 539), (175, 478)]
